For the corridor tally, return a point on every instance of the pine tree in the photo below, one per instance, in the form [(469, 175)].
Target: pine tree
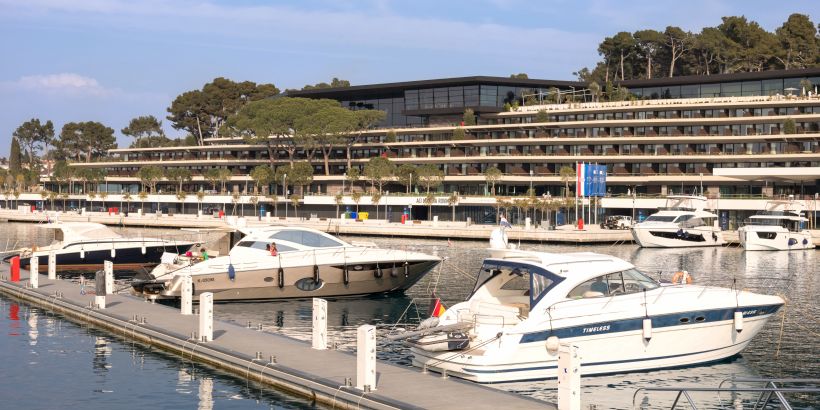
[(15, 157)]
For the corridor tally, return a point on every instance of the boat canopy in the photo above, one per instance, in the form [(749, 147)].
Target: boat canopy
[(684, 203), (82, 231), (532, 280)]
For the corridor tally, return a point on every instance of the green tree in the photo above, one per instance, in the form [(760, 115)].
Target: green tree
[(324, 130), (33, 136), (379, 170), (390, 137), (798, 42), (149, 176), (567, 174), (459, 134), (262, 176), (335, 83), (469, 117), (352, 176), (224, 175), (405, 174), (146, 131), (492, 175), (90, 139), (15, 157), (678, 43), (179, 175), (649, 43), (203, 112), (542, 116), (595, 90), (363, 120), (212, 176), (299, 174), (520, 76), (278, 124), (789, 126), (430, 176)]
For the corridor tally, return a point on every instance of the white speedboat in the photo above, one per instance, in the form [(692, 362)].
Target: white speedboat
[(308, 263), (525, 304), (780, 227), (84, 246), (681, 223)]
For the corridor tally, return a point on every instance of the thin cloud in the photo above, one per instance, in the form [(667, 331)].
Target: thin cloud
[(62, 83)]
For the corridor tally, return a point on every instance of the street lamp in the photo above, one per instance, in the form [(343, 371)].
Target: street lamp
[(285, 193)]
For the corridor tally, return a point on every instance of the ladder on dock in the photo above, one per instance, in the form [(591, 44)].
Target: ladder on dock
[(771, 392)]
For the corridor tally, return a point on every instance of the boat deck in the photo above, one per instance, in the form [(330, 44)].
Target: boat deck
[(322, 375)]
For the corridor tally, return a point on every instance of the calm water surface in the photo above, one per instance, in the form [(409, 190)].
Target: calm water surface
[(789, 346)]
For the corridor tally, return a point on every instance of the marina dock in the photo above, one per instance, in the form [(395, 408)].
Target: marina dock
[(326, 376)]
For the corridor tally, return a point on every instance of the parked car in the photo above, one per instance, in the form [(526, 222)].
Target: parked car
[(618, 222)]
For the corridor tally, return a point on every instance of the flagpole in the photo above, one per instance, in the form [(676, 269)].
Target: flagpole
[(577, 177)]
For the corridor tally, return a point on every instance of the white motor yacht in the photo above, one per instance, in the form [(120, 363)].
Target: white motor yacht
[(307, 263), (84, 246), (780, 227), (683, 222), (525, 304)]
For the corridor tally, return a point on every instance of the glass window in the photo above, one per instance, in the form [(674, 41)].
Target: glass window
[(751, 87), (671, 92), (730, 89), (690, 91), (311, 239), (635, 281), (710, 90), (658, 218), (653, 93), (772, 87)]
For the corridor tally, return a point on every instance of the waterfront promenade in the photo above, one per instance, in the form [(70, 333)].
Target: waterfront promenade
[(415, 229), (269, 358)]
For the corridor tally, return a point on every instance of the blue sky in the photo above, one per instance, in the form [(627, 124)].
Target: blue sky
[(113, 60)]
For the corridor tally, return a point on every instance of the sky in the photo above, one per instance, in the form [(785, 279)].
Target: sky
[(113, 60)]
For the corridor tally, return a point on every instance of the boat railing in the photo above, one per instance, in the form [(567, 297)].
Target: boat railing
[(769, 392)]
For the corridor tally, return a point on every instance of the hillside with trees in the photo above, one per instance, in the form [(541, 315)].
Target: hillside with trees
[(735, 45)]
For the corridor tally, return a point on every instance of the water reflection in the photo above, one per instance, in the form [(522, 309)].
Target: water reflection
[(33, 333), (14, 318), (206, 388), (101, 353)]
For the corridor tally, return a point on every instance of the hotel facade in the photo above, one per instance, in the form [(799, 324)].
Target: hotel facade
[(725, 133)]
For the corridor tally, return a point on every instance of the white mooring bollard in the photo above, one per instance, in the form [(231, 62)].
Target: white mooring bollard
[(206, 317), (108, 267), (34, 272), (319, 324), (569, 378), (187, 295), (366, 358), (101, 284), (52, 265)]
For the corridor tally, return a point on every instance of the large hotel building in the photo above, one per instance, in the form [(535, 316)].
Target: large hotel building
[(729, 133)]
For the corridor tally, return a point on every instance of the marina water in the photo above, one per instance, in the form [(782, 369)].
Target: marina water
[(89, 367)]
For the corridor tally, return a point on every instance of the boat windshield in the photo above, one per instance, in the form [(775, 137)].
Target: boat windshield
[(517, 276), (613, 284), (262, 245), (659, 218), (306, 238)]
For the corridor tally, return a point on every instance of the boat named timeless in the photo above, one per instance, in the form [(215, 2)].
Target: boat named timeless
[(306, 263), (525, 304), (780, 227), (681, 223)]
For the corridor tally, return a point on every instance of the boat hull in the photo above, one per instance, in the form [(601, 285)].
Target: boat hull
[(525, 357), (297, 282), (761, 239), (675, 237), (127, 257)]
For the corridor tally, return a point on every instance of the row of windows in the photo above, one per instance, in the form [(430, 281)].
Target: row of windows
[(667, 114), (730, 89)]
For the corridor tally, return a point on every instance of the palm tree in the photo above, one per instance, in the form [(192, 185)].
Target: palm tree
[(567, 174), (143, 195)]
